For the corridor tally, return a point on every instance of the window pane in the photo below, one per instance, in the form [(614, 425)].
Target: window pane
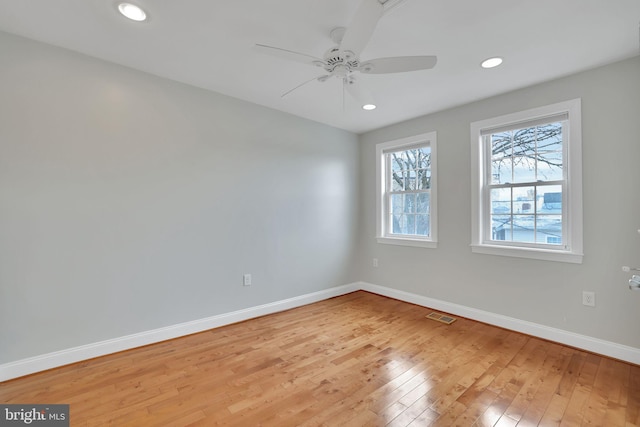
[(549, 137), (410, 180), (523, 199), (549, 199), (549, 160), (409, 203), (523, 228), (549, 166), (397, 181), (524, 142), (397, 203), (403, 224), (500, 227), (411, 224), (424, 158), (424, 179), (524, 169), (549, 229), (501, 201), (398, 224), (422, 203), (501, 144), (501, 170), (501, 162), (410, 155), (524, 154), (422, 225), (397, 164)]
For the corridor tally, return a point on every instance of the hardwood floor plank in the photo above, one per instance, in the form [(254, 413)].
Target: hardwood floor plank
[(426, 418), (633, 398), (506, 421), (573, 415), (543, 387), (355, 360), (554, 411), (475, 408)]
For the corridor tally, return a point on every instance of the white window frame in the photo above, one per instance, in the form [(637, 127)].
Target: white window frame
[(571, 252), (382, 197)]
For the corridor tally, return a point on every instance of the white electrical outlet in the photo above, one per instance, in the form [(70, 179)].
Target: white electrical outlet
[(246, 280), (375, 262), (589, 298)]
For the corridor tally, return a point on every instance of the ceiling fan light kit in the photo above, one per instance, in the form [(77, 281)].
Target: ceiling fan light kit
[(343, 60)]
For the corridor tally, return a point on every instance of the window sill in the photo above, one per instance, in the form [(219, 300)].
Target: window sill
[(531, 253), (408, 242)]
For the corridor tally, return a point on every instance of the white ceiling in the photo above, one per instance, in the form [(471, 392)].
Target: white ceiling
[(209, 44)]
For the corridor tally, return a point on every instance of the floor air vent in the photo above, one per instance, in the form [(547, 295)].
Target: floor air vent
[(441, 318)]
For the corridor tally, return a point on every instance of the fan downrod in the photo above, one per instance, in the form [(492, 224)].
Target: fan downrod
[(337, 35)]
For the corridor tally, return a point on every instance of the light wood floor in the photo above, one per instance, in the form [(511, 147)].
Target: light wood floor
[(355, 360)]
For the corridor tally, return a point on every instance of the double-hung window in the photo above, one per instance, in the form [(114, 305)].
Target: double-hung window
[(526, 184), (406, 191)]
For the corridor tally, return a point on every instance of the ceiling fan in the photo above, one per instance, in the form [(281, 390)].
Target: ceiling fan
[(343, 60)]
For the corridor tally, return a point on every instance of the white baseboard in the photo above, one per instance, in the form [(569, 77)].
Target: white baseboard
[(584, 342), (76, 354)]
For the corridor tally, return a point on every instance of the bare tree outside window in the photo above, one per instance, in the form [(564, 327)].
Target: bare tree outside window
[(409, 194), (527, 171), (533, 152)]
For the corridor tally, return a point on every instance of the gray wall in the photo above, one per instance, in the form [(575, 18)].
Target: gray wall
[(548, 293), (130, 202)]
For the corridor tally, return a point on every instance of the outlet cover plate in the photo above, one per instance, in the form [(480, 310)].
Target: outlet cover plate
[(589, 298)]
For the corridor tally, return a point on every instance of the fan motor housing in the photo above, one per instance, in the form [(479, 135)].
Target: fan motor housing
[(338, 60)]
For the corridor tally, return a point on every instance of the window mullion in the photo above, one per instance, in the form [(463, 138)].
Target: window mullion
[(566, 206), (513, 178), (535, 154), (387, 194), (511, 209), (486, 189)]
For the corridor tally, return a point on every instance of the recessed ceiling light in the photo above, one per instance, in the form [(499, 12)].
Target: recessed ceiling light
[(491, 62), (368, 107), (132, 12)]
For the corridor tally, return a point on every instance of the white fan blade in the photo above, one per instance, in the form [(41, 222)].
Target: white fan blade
[(289, 55), (362, 26), (358, 92), (322, 78), (398, 64)]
